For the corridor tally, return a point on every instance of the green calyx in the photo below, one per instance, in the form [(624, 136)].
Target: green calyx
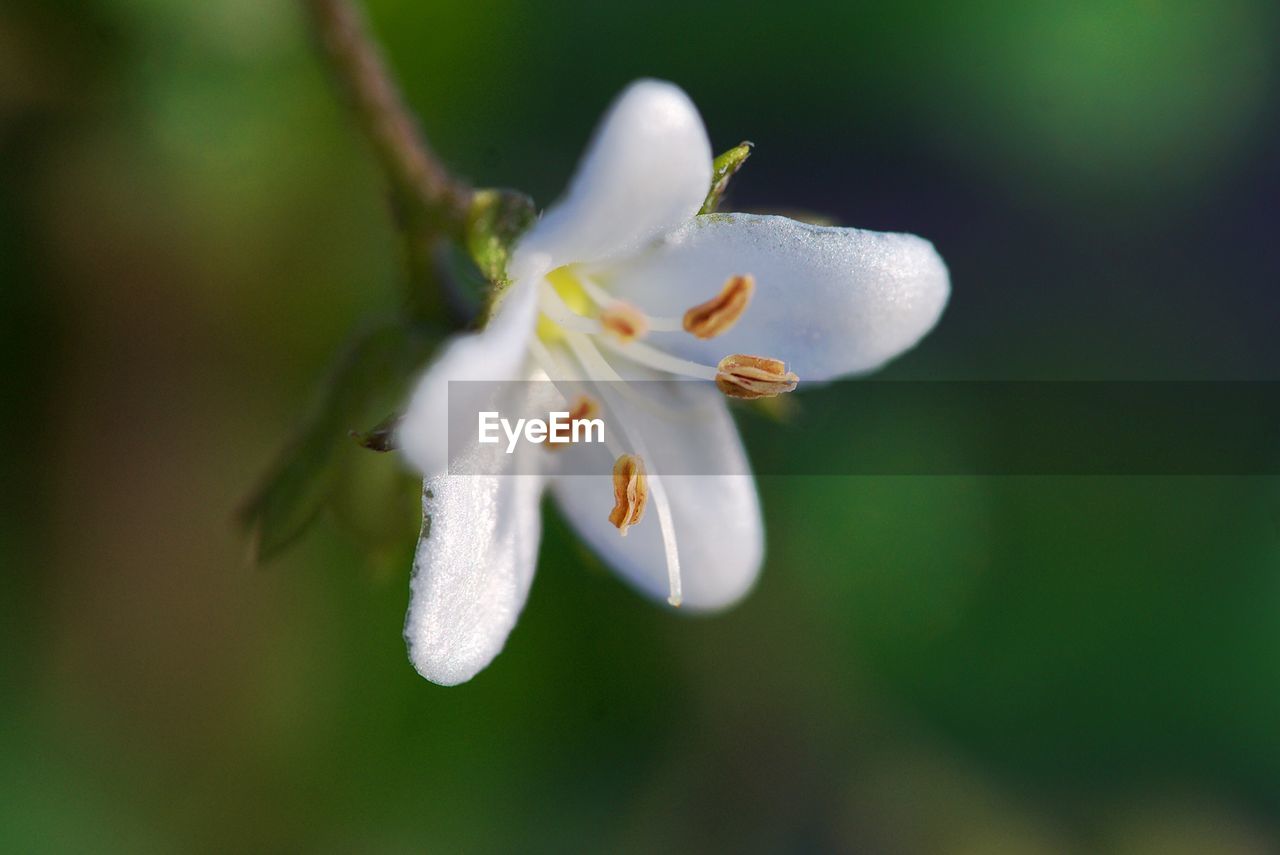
[(497, 218)]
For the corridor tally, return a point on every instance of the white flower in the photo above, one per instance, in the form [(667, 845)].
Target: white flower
[(602, 288)]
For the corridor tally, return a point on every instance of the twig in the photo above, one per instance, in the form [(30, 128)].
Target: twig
[(430, 201)]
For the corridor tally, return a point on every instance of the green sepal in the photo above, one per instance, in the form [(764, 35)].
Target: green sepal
[(496, 220), (370, 378), (723, 168)]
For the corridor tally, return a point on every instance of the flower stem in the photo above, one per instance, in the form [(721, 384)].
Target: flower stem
[(429, 201)]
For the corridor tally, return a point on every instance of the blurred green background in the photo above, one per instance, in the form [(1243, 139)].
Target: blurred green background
[(190, 227)]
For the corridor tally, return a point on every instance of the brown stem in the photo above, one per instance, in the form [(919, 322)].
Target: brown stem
[(429, 199)]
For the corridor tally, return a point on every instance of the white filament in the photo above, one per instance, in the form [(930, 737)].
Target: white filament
[(561, 375), (551, 304), (651, 357), (597, 368), (603, 298)]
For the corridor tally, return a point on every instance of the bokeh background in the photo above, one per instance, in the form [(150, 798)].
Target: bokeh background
[(190, 228)]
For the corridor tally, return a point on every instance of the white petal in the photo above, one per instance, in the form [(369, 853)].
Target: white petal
[(472, 571), (499, 352), (719, 533), (828, 301), (647, 170)]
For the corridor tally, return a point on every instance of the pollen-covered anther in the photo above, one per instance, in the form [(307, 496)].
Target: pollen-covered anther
[(750, 377), (717, 315), (624, 321), (584, 407), (630, 492)]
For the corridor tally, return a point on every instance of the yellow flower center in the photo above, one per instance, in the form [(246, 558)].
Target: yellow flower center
[(570, 289)]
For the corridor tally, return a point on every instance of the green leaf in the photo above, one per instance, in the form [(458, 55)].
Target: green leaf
[(370, 378), (723, 168), (376, 500), (496, 219)]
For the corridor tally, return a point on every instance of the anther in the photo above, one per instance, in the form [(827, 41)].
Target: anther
[(717, 315), (624, 321), (630, 492), (750, 377), (584, 407)]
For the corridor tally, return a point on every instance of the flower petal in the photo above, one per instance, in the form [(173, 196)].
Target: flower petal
[(498, 352), (472, 571), (718, 530), (828, 301), (647, 170)]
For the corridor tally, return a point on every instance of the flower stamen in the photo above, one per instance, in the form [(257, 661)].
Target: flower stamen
[(717, 315), (597, 367), (624, 321), (630, 492), (559, 315), (659, 360), (751, 377), (584, 407)]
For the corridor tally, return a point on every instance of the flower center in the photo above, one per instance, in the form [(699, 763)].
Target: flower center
[(579, 322), (569, 290)]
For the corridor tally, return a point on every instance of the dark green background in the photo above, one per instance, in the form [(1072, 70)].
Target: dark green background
[(189, 227)]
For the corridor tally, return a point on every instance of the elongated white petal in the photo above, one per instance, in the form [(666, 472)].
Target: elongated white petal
[(499, 352), (472, 571), (647, 169), (716, 516), (828, 301)]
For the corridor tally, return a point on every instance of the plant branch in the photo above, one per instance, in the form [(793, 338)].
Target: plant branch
[(430, 200)]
